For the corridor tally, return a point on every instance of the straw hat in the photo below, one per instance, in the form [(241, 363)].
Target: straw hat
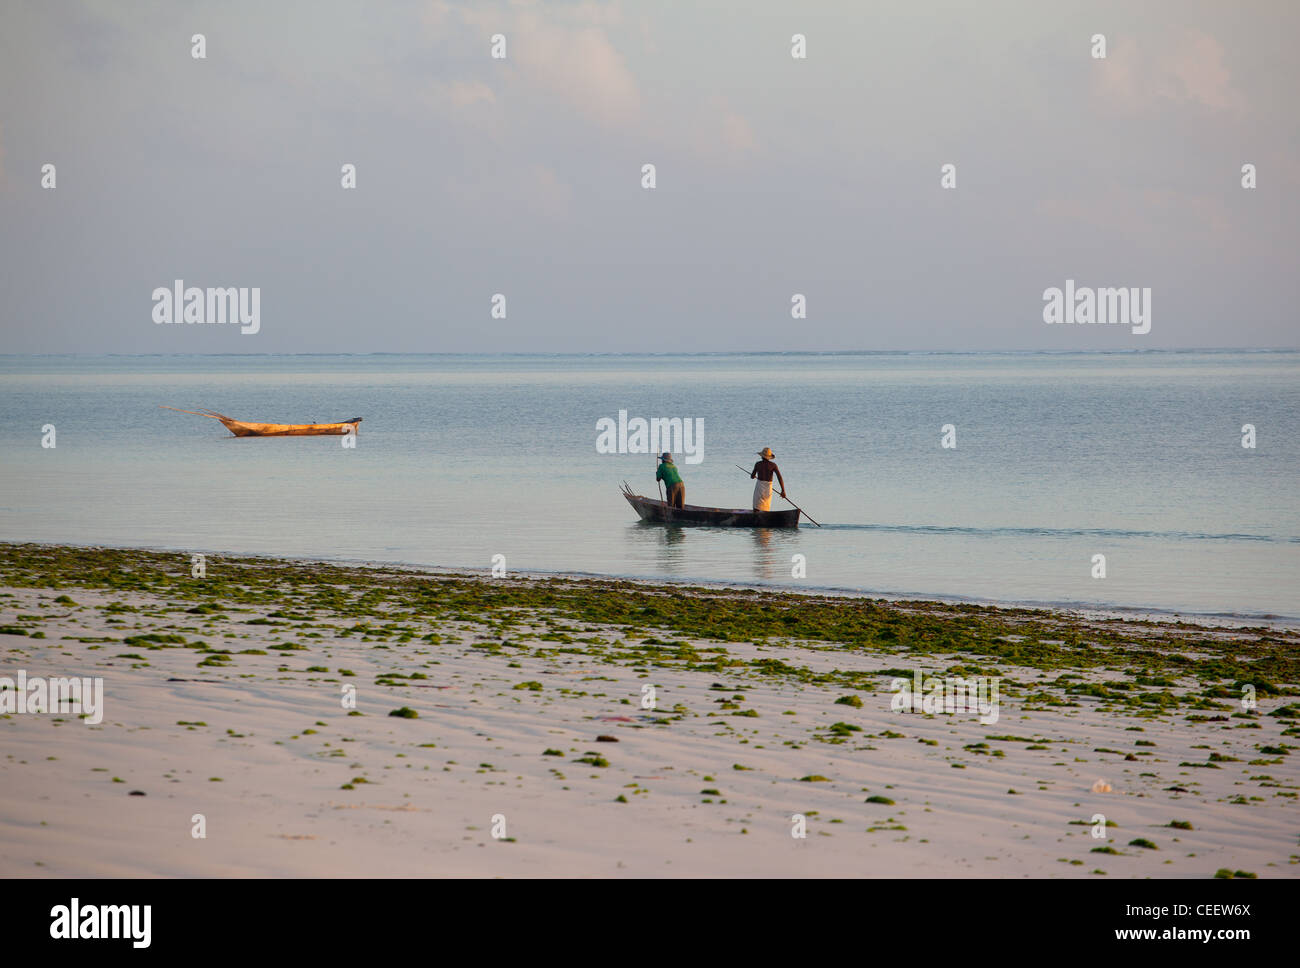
[(766, 453), (666, 457)]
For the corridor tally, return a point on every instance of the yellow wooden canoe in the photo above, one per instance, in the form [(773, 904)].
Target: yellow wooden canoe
[(244, 428)]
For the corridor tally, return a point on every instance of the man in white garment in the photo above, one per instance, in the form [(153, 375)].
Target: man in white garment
[(763, 471)]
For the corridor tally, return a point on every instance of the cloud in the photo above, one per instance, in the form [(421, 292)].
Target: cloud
[(720, 134), (737, 135), (465, 93), (1188, 69), (1198, 65), (582, 67), (437, 14), (563, 51)]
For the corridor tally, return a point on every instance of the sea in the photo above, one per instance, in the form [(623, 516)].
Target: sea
[(1103, 481)]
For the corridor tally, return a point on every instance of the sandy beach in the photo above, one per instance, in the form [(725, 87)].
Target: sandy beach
[(528, 743)]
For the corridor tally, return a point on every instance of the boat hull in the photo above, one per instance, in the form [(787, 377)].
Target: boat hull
[(241, 428), (658, 512)]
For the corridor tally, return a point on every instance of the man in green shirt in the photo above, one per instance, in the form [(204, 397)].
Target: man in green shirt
[(672, 480)]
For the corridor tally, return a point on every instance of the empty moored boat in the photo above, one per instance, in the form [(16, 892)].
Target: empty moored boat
[(659, 512), (244, 428)]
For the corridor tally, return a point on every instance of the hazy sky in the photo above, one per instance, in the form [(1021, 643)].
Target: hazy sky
[(522, 176)]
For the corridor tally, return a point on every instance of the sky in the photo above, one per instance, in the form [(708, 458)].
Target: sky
[(522, 176)]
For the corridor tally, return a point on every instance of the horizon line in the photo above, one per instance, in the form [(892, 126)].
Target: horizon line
[(617, 353)]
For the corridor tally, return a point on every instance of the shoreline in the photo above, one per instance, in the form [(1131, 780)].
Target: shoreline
[(1083, 611), (524, 699)]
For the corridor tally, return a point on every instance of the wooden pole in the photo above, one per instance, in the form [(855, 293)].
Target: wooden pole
[(214, 415)]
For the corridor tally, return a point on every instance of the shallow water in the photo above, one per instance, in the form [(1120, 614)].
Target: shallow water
[(1059, 457)]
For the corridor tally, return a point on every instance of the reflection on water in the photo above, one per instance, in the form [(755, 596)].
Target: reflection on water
[(774, 551), (765, 563), (677, 550), (668, 543)]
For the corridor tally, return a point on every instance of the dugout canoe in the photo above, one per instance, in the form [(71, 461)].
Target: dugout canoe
[(659, 512), (244, 428)]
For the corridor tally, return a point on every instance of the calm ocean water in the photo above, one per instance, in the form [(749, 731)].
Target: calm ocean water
[(1059, 457)]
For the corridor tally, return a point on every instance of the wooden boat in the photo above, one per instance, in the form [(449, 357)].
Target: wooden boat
[(659, 512), (243, 428)]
